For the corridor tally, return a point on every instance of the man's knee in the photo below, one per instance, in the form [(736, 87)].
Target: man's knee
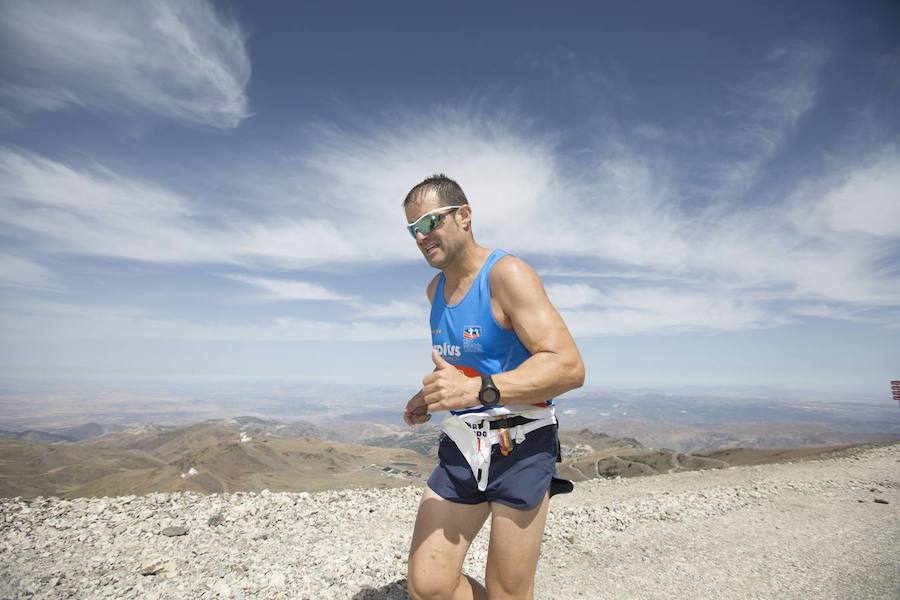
[(500, 589), (432, 586)]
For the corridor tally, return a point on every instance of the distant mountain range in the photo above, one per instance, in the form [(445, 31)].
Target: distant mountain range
[(252, 454), (699, 424), (62, 434)]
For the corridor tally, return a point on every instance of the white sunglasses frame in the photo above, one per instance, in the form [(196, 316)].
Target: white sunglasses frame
[(410, 227)]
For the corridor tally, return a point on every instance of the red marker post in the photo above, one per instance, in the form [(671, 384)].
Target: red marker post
[(895, 390)]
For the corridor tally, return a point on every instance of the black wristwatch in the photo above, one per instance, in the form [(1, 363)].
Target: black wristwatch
[(489, 395)]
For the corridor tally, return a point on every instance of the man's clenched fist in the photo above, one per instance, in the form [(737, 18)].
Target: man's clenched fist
[(448, 388)]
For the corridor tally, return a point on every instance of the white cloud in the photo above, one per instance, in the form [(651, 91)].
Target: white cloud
[(395, 309), (362, 177), (868, 200), (773, 249), (572, 296), (715, 268), (764, 111), (834, 236), (98, 212), (38, 99), (834, 311), (281, 289), (346, 208), (58, 321), (19, 272), (637, 225), (619, 209), (514, 179), (627, 310), (176, 58)]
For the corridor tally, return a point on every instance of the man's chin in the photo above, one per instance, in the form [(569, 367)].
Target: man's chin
[(436, 260)]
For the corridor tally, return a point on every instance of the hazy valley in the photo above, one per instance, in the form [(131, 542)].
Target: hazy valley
[(252, 454)]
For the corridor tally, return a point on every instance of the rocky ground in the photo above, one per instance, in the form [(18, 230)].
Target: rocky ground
[(824, 529)]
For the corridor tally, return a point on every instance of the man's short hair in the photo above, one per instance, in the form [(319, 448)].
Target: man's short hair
[(447, 191)]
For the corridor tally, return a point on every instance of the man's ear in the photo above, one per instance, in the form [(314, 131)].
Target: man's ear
[(465, 213)]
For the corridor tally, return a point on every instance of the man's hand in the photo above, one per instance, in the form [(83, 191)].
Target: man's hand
[(416, 412), (447, 388)]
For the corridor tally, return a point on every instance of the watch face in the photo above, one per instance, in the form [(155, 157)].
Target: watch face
[(489, 396)]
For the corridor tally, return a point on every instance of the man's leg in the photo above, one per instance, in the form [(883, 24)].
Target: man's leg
[(442, 535), (514, 549)]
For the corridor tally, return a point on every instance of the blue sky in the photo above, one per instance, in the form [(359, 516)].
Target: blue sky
[(709, 190)]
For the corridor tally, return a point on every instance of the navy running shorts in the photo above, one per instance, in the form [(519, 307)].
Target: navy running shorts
[(519, 479)]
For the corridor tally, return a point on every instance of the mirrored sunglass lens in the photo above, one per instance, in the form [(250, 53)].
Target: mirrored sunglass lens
[(417, 226), (433, 222), (425, 225)]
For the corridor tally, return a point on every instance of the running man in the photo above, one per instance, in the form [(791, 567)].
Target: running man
[(501, 353)]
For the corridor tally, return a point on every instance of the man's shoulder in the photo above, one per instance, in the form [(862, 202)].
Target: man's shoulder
[(510, 265), (512, 271)]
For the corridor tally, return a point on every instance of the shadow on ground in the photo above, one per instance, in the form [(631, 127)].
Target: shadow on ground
[(391, 591)]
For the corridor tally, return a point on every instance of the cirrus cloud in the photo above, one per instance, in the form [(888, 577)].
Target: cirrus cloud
[(178, 59)]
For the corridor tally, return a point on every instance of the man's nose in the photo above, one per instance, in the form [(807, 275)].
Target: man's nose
[(420, 237)]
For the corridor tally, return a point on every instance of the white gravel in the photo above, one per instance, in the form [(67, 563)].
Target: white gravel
[(794, 530)]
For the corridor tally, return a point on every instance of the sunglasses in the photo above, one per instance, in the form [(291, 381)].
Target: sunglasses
[(429, 221)]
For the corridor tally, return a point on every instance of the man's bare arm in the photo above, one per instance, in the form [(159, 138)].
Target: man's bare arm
[(555, 366)]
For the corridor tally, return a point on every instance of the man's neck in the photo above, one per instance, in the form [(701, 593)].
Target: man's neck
[(467, 265)]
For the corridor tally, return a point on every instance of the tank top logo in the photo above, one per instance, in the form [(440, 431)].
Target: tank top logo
[(471, 334)]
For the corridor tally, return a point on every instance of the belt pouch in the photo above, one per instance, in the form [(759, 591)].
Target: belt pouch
[(476, 452)]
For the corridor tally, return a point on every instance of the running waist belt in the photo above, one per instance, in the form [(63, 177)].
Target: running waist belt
[(474, 440)]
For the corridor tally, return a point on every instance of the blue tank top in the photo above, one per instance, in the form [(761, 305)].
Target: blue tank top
[(468, 337)]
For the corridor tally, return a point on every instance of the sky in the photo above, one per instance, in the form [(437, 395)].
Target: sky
[(709, 190)]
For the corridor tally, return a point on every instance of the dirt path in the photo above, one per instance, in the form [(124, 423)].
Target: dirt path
[(795, 530)]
